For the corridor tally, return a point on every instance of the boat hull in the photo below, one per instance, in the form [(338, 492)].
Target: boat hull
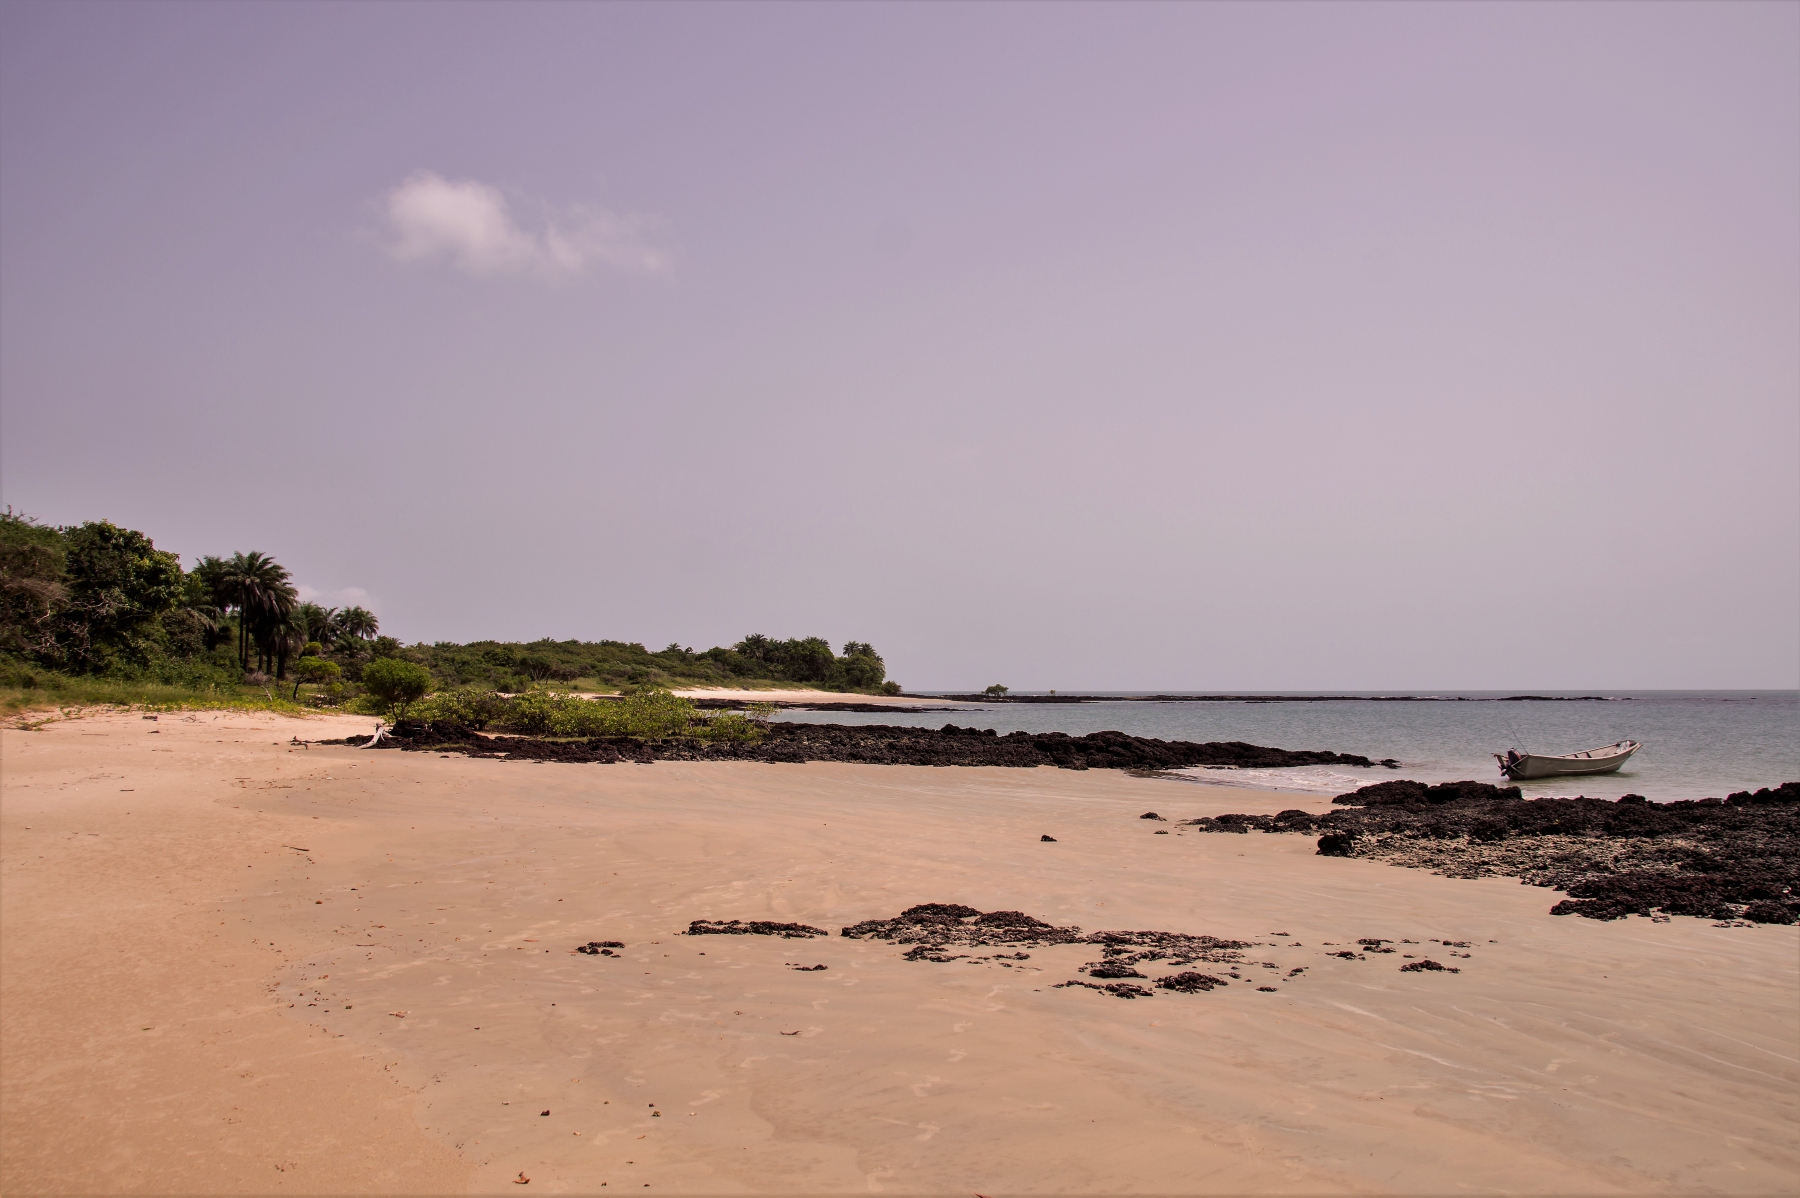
[(1594, 761)]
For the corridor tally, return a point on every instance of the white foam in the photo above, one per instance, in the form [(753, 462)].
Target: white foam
[(1304, 779)]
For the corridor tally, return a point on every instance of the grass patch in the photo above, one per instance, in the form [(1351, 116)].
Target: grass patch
[(46, 691)]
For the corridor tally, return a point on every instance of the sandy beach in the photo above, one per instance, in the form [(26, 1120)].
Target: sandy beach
[(231, 963)]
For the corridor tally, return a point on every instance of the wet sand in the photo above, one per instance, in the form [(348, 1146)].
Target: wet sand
[(232, 965)]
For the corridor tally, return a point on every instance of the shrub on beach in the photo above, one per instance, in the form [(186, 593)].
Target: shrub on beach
[(650, 715), (469, 707), (394, 683)]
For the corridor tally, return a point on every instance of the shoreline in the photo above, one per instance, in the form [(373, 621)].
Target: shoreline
[(431, 907)]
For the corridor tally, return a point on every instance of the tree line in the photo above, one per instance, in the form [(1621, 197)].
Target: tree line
[(96, 599)]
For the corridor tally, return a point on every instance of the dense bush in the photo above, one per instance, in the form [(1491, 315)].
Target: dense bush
[(394, 683), (619, 665), (99, 600), (649, 715)]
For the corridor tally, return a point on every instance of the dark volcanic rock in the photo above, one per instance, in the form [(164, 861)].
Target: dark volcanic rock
[(875, 744), (1711, 858), (1417, 794), (1109, 970), (1190, 982), (933, 929), (937, 925), (1765, 911), (755, 927), (1428, 965), (1116, 989)]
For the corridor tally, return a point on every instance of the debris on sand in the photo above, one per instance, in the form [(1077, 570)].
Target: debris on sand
[(934, 929), (1116, 989), (600, 948), (1190, 982), (806, 968), (755, 927), (1425, 964)]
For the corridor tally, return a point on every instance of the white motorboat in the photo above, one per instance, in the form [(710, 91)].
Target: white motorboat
[(1604, 760)]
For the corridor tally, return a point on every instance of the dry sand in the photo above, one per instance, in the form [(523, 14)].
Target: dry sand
[(232, 965)]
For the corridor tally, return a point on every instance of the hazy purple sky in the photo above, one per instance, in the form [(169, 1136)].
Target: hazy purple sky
[(1187, 346)]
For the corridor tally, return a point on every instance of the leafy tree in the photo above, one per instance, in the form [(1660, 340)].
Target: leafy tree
[(32, 587), (995, 691), (314, 670), (538, 667), (396, 684), (117, 584), (862, 667)]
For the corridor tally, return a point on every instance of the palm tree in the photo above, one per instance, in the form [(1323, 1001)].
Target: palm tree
[(321, 622), (286, 637), (358, 622), (259, 589)]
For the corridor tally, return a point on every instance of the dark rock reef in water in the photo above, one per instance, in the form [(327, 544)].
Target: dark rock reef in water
[(874, 744), (1732, 858)]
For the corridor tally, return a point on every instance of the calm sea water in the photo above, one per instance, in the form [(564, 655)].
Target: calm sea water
[(1696, 743)]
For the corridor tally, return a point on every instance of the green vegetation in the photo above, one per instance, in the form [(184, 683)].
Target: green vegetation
[(94, 613), (648, 715), (396, 684), (997, 691), (755, 661)]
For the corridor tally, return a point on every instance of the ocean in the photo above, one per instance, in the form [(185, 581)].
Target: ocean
[(1696, 743)]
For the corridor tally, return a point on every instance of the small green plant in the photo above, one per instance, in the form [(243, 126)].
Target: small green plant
[(731, 726), (395, 684)]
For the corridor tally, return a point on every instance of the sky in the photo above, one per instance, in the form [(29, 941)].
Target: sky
[(1163, 346)]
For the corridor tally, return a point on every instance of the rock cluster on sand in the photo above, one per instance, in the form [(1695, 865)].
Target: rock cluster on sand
[(875, 744), (1731, 858), (933, 929), (754, 927)]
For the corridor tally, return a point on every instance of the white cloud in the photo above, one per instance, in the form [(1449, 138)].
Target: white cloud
[(342, 597), (468, 224)]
